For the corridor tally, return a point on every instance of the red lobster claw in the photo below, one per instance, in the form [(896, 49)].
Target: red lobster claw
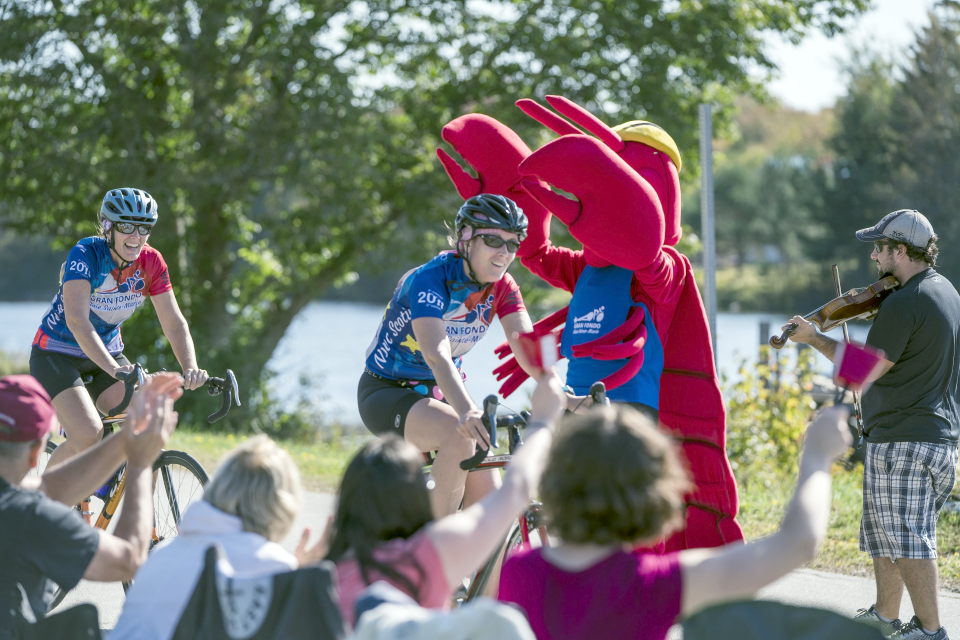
[(511, 369), (647, 148), (494, 151), (617, 213)]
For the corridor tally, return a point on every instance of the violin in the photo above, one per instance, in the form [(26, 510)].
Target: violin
[(856, 304)]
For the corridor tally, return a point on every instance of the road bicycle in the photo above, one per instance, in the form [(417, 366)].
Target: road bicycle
[(178, 477), (532, 520)]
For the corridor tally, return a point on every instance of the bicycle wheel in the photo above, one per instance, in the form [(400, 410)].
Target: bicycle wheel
[(514, 542), (179, 483)]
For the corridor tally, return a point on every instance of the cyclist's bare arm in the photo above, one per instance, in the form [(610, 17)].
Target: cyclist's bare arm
[(431, 335), (463, 540), (738, 570), (177, 331), (76, 307), (150, 423), (513, 325), (78, 477)]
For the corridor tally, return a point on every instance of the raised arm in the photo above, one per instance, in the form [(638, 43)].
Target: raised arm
[(463, 540), (175, 328), (78, 477), (663, 279), (150, 422), (737, 570)]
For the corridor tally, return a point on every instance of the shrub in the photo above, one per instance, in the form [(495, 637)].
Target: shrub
[(13, 363), (768, 409)]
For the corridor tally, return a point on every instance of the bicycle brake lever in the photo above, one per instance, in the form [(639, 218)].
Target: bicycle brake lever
[(490, 422)]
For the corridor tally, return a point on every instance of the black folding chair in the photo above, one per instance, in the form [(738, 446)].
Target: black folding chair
[(294, 605)]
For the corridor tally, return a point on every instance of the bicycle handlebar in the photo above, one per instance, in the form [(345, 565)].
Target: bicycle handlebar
[(226, 384), (131, 380), (598, 392), (216, 386), (493, 422)]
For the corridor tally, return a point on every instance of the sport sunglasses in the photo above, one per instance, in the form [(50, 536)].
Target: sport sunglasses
[(496, 242), (128, 227)]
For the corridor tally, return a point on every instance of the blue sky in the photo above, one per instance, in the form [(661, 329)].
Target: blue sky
[(811, 75)]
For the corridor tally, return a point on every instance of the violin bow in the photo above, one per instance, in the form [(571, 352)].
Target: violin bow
[(846, 338)]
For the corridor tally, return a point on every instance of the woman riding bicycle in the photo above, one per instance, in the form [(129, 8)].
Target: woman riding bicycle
[(103, 281), (412, 385)]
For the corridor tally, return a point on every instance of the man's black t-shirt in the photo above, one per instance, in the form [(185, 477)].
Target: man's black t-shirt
[(918, 327), (42, 542)]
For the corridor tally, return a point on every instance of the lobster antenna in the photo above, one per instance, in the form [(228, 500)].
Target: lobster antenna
[(588, 121), (547, 118)]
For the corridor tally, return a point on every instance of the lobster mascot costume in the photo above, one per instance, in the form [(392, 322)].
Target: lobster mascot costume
[(636, 321)]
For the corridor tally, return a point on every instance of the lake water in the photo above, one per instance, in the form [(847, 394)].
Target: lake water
[(327, 343)]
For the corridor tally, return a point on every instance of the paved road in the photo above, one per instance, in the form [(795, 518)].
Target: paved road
[(805, 587)]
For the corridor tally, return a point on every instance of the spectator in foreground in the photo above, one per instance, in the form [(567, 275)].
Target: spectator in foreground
[(384, 528), (43, 539), (248, 508), (612, 483)]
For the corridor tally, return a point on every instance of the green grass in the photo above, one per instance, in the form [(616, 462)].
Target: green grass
[(321, 464), (762, 507)]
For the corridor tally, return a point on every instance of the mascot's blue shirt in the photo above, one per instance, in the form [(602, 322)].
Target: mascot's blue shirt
[(600, 304)]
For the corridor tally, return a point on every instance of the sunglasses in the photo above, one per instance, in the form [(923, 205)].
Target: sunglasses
[(496, 242), (128, 227), (878, 245)]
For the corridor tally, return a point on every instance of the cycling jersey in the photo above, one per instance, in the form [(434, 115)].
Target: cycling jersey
[(439, 289), (114, 296)]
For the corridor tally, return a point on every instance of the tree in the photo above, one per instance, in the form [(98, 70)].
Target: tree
[(896, 143), (287, 142)]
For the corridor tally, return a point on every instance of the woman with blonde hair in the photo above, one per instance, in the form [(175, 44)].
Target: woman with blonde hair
[(248, 508)]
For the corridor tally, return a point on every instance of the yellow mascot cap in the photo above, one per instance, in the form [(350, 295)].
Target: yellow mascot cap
[(651, 135)]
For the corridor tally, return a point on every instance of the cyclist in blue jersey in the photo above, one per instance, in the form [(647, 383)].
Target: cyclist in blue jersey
[(103, 281), (412, 385)]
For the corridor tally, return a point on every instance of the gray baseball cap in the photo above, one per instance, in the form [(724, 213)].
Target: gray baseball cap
[(906, 225)]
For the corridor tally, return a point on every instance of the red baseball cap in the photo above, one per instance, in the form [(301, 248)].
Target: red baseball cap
[(25, 410)]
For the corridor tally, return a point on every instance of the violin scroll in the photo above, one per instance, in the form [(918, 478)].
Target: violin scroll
[(778, 342)]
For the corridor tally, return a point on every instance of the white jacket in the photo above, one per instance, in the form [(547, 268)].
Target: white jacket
[(164, 584)]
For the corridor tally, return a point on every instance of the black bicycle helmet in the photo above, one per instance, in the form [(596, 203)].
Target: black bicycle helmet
[(487, 211), (129, 205)]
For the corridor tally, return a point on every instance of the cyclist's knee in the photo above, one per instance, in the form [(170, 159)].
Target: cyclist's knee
[(84, 435), (454, 441)]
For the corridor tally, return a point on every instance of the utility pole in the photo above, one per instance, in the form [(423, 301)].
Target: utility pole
[(707, 229)]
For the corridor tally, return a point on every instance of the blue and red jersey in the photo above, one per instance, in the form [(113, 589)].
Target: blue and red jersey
[(114, 295), (440, 289)]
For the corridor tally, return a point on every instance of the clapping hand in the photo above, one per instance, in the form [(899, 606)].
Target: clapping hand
[(307, 555), (150, 417)]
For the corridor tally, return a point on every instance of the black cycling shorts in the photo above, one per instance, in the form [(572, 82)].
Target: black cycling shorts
[(57, 372), (384, 403)]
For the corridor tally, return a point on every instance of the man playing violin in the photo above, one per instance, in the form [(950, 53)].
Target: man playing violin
[(911, 422)]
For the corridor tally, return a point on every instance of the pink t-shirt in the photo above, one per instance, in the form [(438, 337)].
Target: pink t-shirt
[(435, 593), (627, 595)]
